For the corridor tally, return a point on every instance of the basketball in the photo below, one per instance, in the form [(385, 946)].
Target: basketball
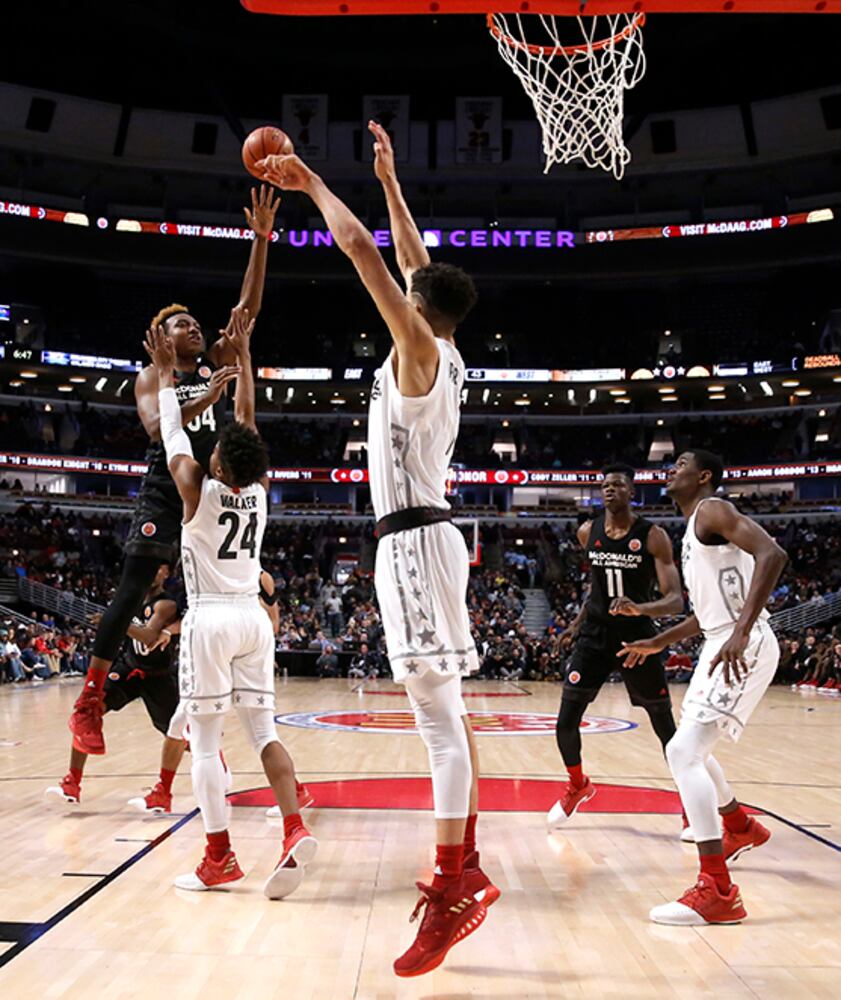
[(263, 142)]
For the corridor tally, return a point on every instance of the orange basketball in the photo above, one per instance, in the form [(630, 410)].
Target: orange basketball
[(263, 142)]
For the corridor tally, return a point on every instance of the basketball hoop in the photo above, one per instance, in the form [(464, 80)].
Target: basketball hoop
[(578, 90)]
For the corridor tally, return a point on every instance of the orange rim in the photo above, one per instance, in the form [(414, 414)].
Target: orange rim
[(566, 50)]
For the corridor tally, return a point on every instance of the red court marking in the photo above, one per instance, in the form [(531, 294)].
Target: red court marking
[(495, 795), (464, 694)]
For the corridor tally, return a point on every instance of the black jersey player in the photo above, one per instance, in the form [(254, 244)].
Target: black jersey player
[(145, 668), (201, 375), (628, 557)]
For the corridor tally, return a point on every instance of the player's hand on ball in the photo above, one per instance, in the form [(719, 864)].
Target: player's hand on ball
[(624, 606), (732, 657), (383, 153), (159, 348), (219, 379), (260, 217), (289, 173), (639, 651)]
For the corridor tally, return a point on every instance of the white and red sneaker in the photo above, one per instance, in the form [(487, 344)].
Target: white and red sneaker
[(735, 844), (305, 798), (566, 806), (69, 790), (702, 904), (211, 874), (299, 849), (158, 801)]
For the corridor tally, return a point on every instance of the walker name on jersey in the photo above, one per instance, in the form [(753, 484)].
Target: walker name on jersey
[(615, 560), (238, 502), (483, 723)]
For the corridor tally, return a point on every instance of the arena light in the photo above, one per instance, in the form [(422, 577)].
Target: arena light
[(837, 378), (16, 383), (624, 399), (100, 384), (338, 401), (669, 399), (342, 540), (28, 374), (522, 402), (666, 391), (48, 408), (766, 388), (78, 379), (716, 388), (660, 422), (802, 392), (290, 393), (485, 394), (505, 423), (616, 392), (356, 423), (65, 388), (698, 371), (718, 395), (642, 374), (790, 383)]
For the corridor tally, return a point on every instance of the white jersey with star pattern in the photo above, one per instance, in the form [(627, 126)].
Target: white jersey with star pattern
[(718, 578), (411, 438)]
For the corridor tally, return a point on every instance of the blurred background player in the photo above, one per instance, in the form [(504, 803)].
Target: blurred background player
[(228, 641), (156, 525), (628, 556), (421, 563), (146, 669), (730, 566)]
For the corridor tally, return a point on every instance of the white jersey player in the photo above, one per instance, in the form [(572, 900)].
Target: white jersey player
[(227, 641), (422, 563), (730, 568)]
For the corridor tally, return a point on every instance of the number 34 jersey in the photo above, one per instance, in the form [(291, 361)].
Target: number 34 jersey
[(220, 544), (619, 567)]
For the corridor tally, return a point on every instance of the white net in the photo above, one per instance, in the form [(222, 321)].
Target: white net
[(577, 86)]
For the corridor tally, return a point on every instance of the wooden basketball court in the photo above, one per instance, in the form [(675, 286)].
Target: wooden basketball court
[(87, 907)]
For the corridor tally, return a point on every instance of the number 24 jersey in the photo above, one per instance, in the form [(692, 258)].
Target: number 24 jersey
[(220, 544)]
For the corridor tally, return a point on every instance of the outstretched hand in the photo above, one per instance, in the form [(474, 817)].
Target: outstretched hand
[(383, 153), (260, 217), (638, 652), (238, 331), (219, 379), (160, 350), (288, 172)]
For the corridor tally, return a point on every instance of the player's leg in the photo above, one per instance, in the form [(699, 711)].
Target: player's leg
[(219, 864), (741, 831), (587, 672), (160, 696), (478, 883), (299, 845), (86, 720), (452, 913)]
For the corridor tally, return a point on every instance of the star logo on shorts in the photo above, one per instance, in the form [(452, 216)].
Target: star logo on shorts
[(396, 442), (261, 700), (462, 665), (237, 698), (218, 706), (194, 707), (730, 580), (413, 572), (411, 553), (442, 663), (724, 699), (412, 667), (426, 636), (417, 595)]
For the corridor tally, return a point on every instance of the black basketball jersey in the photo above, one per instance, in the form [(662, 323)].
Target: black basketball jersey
[(203, 430), (619, 567), (137, 656)]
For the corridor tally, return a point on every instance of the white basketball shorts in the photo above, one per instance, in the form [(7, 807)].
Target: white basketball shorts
[(709, 700), (227, 656), (421, 580)]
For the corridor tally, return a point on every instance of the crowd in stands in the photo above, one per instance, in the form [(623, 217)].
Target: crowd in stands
[(339, 623)]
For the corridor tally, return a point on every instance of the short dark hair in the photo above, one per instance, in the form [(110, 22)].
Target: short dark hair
[(446, 290), (621, 468), (708, 461), (243, 454)]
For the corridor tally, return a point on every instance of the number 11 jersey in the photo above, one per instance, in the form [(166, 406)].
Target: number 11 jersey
[(619, 567), (220, 544)]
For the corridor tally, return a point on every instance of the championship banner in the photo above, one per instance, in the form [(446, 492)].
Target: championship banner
[(305, 122), (478, 135), (392, 112)]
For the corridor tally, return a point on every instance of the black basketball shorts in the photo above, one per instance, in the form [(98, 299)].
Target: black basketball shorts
[(125, 684), (594, 659), (156, 526)]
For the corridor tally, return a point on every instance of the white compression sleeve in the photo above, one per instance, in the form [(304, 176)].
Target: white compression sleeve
[(173, 434)]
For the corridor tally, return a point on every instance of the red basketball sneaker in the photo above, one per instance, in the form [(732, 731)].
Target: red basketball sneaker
[(70, 790), (299, 848), (305, 796), (735, 844), (451, 916), (159, 800), (477, 883), (566, 807), (211, 873), (702, 904), (86, 721)]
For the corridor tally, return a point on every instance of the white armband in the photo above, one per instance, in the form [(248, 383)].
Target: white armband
[(173, 434)]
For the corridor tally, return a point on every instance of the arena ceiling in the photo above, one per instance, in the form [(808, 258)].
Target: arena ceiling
[(213, 58)]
